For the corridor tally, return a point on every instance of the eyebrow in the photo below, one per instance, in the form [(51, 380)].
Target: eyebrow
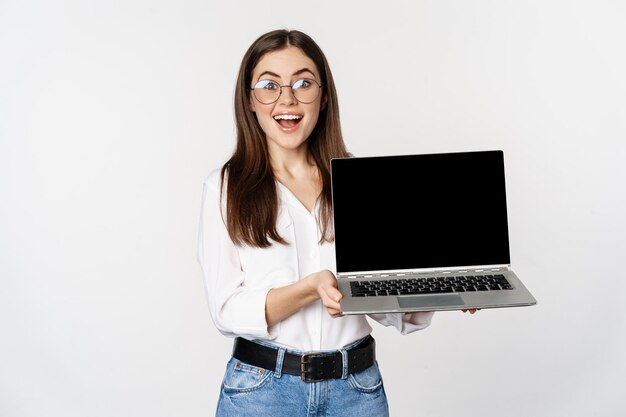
[(273, 74)]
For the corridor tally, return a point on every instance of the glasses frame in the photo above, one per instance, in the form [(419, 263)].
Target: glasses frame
[(292, 89)]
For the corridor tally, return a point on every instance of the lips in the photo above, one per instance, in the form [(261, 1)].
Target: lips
[(288, 121)]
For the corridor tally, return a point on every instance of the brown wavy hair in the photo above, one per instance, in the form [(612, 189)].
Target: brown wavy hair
[(251, 193)]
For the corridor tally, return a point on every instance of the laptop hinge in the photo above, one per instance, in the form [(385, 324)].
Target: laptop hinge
[(382, 274), (473, 270)]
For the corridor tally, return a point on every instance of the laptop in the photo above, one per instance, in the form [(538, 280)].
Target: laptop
[(423, 233)]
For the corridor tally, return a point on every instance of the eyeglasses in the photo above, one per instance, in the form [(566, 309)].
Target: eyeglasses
[(268, 92)]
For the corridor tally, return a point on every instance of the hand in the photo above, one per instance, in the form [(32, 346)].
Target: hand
[(325, 284), (471, 310)]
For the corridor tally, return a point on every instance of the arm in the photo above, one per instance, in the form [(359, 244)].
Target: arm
[(405, 323), (284, 301), (237, 309)]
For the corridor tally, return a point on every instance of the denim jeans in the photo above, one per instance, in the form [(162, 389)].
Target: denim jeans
[(251, 391)]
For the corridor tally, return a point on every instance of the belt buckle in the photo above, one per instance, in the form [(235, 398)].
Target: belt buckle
[(306, 360)]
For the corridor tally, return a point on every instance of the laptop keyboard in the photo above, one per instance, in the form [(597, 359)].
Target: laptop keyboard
[(430, 285)]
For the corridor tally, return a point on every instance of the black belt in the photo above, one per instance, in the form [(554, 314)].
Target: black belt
[(311, 367)]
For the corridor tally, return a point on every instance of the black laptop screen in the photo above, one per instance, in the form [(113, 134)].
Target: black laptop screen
[(420, 211)]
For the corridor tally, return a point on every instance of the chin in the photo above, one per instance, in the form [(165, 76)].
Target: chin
[(289, 143)]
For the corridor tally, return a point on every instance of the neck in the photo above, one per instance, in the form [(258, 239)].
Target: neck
[(291, 163)]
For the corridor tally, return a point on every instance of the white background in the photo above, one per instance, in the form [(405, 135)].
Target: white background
[(112, 113)]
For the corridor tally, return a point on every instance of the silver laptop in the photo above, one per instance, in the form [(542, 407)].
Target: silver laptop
[(423, 233)]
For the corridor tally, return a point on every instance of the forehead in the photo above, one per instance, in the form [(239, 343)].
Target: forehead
[(284, 62)]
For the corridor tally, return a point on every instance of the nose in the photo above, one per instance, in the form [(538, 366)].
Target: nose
[(286, 95)]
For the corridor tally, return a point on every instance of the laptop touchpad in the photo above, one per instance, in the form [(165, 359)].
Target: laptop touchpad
[(430, 301)]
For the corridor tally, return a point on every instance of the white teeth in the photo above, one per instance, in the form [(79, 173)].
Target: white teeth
[(287, 117)]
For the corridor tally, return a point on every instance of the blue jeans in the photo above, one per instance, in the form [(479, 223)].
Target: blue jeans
[(251, 391)]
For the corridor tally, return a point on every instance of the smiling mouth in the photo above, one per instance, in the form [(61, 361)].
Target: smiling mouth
[(288, 121)]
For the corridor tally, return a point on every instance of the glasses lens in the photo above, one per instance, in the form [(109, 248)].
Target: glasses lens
[(266, 91), (306, 91)]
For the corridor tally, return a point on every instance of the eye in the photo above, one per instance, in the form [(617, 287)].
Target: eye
[(302, 84), (267, 85)]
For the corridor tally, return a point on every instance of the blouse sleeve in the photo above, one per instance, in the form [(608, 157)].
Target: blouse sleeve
[(236, 309), (405, 323)]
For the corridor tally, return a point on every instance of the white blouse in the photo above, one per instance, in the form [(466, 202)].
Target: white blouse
[(238, 278)]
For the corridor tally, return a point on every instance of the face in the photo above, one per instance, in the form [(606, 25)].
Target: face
[(287, 123)]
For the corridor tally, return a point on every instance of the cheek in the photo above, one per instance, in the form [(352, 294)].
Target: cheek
[(313, 123), (264, 119), (313, 120)]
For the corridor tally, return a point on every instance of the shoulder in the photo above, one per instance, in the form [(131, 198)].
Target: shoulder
[(214, 179)]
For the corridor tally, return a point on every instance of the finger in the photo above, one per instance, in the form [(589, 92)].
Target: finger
[(334, 293), (334, 313), (329, 302)]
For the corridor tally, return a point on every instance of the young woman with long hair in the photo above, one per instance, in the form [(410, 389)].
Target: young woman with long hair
[(267, 252)]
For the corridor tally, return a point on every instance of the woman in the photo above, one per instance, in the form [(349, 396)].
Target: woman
[(266, 247)]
